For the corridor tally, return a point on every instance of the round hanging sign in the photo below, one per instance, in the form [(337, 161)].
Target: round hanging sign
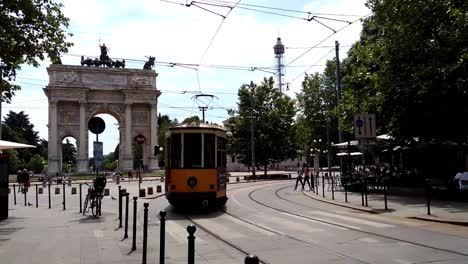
[(96, 125), (139, 139)]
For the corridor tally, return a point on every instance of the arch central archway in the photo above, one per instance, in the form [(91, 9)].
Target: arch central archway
[(77, 93)]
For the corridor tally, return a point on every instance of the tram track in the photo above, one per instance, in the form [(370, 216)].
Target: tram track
[(250, 195)]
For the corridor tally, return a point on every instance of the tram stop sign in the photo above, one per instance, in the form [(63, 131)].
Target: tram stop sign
[(139, 139), (96, 125)]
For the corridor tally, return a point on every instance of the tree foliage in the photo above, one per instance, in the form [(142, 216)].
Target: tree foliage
[(17, 128), (410, 67), (273, 115), (30, 30)]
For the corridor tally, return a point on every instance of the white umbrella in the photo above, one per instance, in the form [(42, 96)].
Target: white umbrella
[(13, 145)]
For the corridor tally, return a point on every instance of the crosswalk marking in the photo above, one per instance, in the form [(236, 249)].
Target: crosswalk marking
[(330, 223), (290, 225), (178, 232), (353, 219), (368, 240)]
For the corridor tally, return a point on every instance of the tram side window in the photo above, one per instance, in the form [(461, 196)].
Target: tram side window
[(221, 152), (175, 151), (192, 151), (209, 151)]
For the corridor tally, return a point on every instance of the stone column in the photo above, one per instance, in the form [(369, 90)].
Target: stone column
[(52, 149), (153, 160), (127, 161), (82, 161)]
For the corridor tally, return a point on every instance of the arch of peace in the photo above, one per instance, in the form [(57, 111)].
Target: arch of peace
[(76, 94)]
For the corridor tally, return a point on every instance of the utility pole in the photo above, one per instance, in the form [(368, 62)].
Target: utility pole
[(252, 127), (338, 85)]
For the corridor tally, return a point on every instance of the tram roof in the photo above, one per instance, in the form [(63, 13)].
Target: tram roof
[(194, 125)]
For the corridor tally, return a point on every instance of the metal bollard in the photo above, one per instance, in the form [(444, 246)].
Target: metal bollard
[(312, 181), (158, 189), (191, 244), (37, 198), (134, 222), (346, 192), (49, 195), (126, 215), (237, 179), (317, 178), (251, 259), (14, 193), (81, 206), (362, 192), (145, 231), (25, 197), (323, 186), (63, 196), (385, 196), (333, 188), (120, 207), (162, 236), (428, 195), (365, 192)]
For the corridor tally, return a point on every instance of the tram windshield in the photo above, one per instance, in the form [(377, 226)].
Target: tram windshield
[(192, 151)]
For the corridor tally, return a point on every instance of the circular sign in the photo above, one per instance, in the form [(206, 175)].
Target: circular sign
[(96, 125), (359, 123), (139, 139)]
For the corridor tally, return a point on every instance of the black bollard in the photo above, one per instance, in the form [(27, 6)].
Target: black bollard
[(14, 193), (25, 197), (428, 195), (312, 181), (37, 198), (346, 192), (162, 236), (323, 186), (333, 188), (317, 178), (191, 244), (365, 192), (120, 207), (145, 231), (126, 215), (251, 259), (64, 196), (362, 192), (81, 208), (134, 222), (49, 196), (385, 196)]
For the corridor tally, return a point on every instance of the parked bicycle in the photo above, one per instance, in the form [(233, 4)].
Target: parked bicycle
[(94, 196)]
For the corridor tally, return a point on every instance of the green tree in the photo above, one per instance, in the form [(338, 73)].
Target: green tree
[(410, 67), (37, 163), (273, 113), (30, 30), (192, 119), (17, 128), (68, 152), (164, 123), (109, 163)]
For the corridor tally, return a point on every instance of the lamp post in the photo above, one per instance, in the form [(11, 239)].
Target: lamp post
[(252, 130)]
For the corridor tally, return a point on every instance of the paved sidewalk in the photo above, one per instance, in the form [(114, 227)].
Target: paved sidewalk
[(402, 206)]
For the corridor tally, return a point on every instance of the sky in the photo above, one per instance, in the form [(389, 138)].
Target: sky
[(173, 32)]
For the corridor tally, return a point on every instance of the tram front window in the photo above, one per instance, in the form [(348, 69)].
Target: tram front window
[(221, 152), (175, 151), (192, 151), (209, 151)]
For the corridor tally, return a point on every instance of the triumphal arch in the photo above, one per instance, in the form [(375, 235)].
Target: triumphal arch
[(78, 93)]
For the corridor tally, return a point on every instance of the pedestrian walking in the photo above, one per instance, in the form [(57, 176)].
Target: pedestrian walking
[(25, 180), (130, 175), (305, 168), (299, 176), (19, 179)]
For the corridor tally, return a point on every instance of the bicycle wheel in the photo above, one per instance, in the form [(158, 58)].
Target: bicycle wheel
[(94, 206), (86, 201)]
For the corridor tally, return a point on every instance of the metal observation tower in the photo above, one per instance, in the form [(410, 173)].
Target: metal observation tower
[(279, 63)]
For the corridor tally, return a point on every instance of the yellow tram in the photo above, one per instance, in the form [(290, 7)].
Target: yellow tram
[(196, 165)]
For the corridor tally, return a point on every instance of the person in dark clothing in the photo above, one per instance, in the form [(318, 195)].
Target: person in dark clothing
[(305, 169), (25, 176), (299, 177), (19, 179)]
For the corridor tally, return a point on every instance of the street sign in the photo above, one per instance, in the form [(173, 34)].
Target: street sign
[(98, 154), (139, 139), (364, 126)]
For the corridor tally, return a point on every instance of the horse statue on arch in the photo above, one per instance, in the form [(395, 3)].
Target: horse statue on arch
[(149, 64)]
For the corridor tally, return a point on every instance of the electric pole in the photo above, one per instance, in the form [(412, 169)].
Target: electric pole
[(338, 86), (252, 127)]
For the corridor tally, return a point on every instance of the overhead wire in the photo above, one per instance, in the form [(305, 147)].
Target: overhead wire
[(321, 58)]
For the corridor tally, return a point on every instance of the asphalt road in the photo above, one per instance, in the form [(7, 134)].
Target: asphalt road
[(268, 219)]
